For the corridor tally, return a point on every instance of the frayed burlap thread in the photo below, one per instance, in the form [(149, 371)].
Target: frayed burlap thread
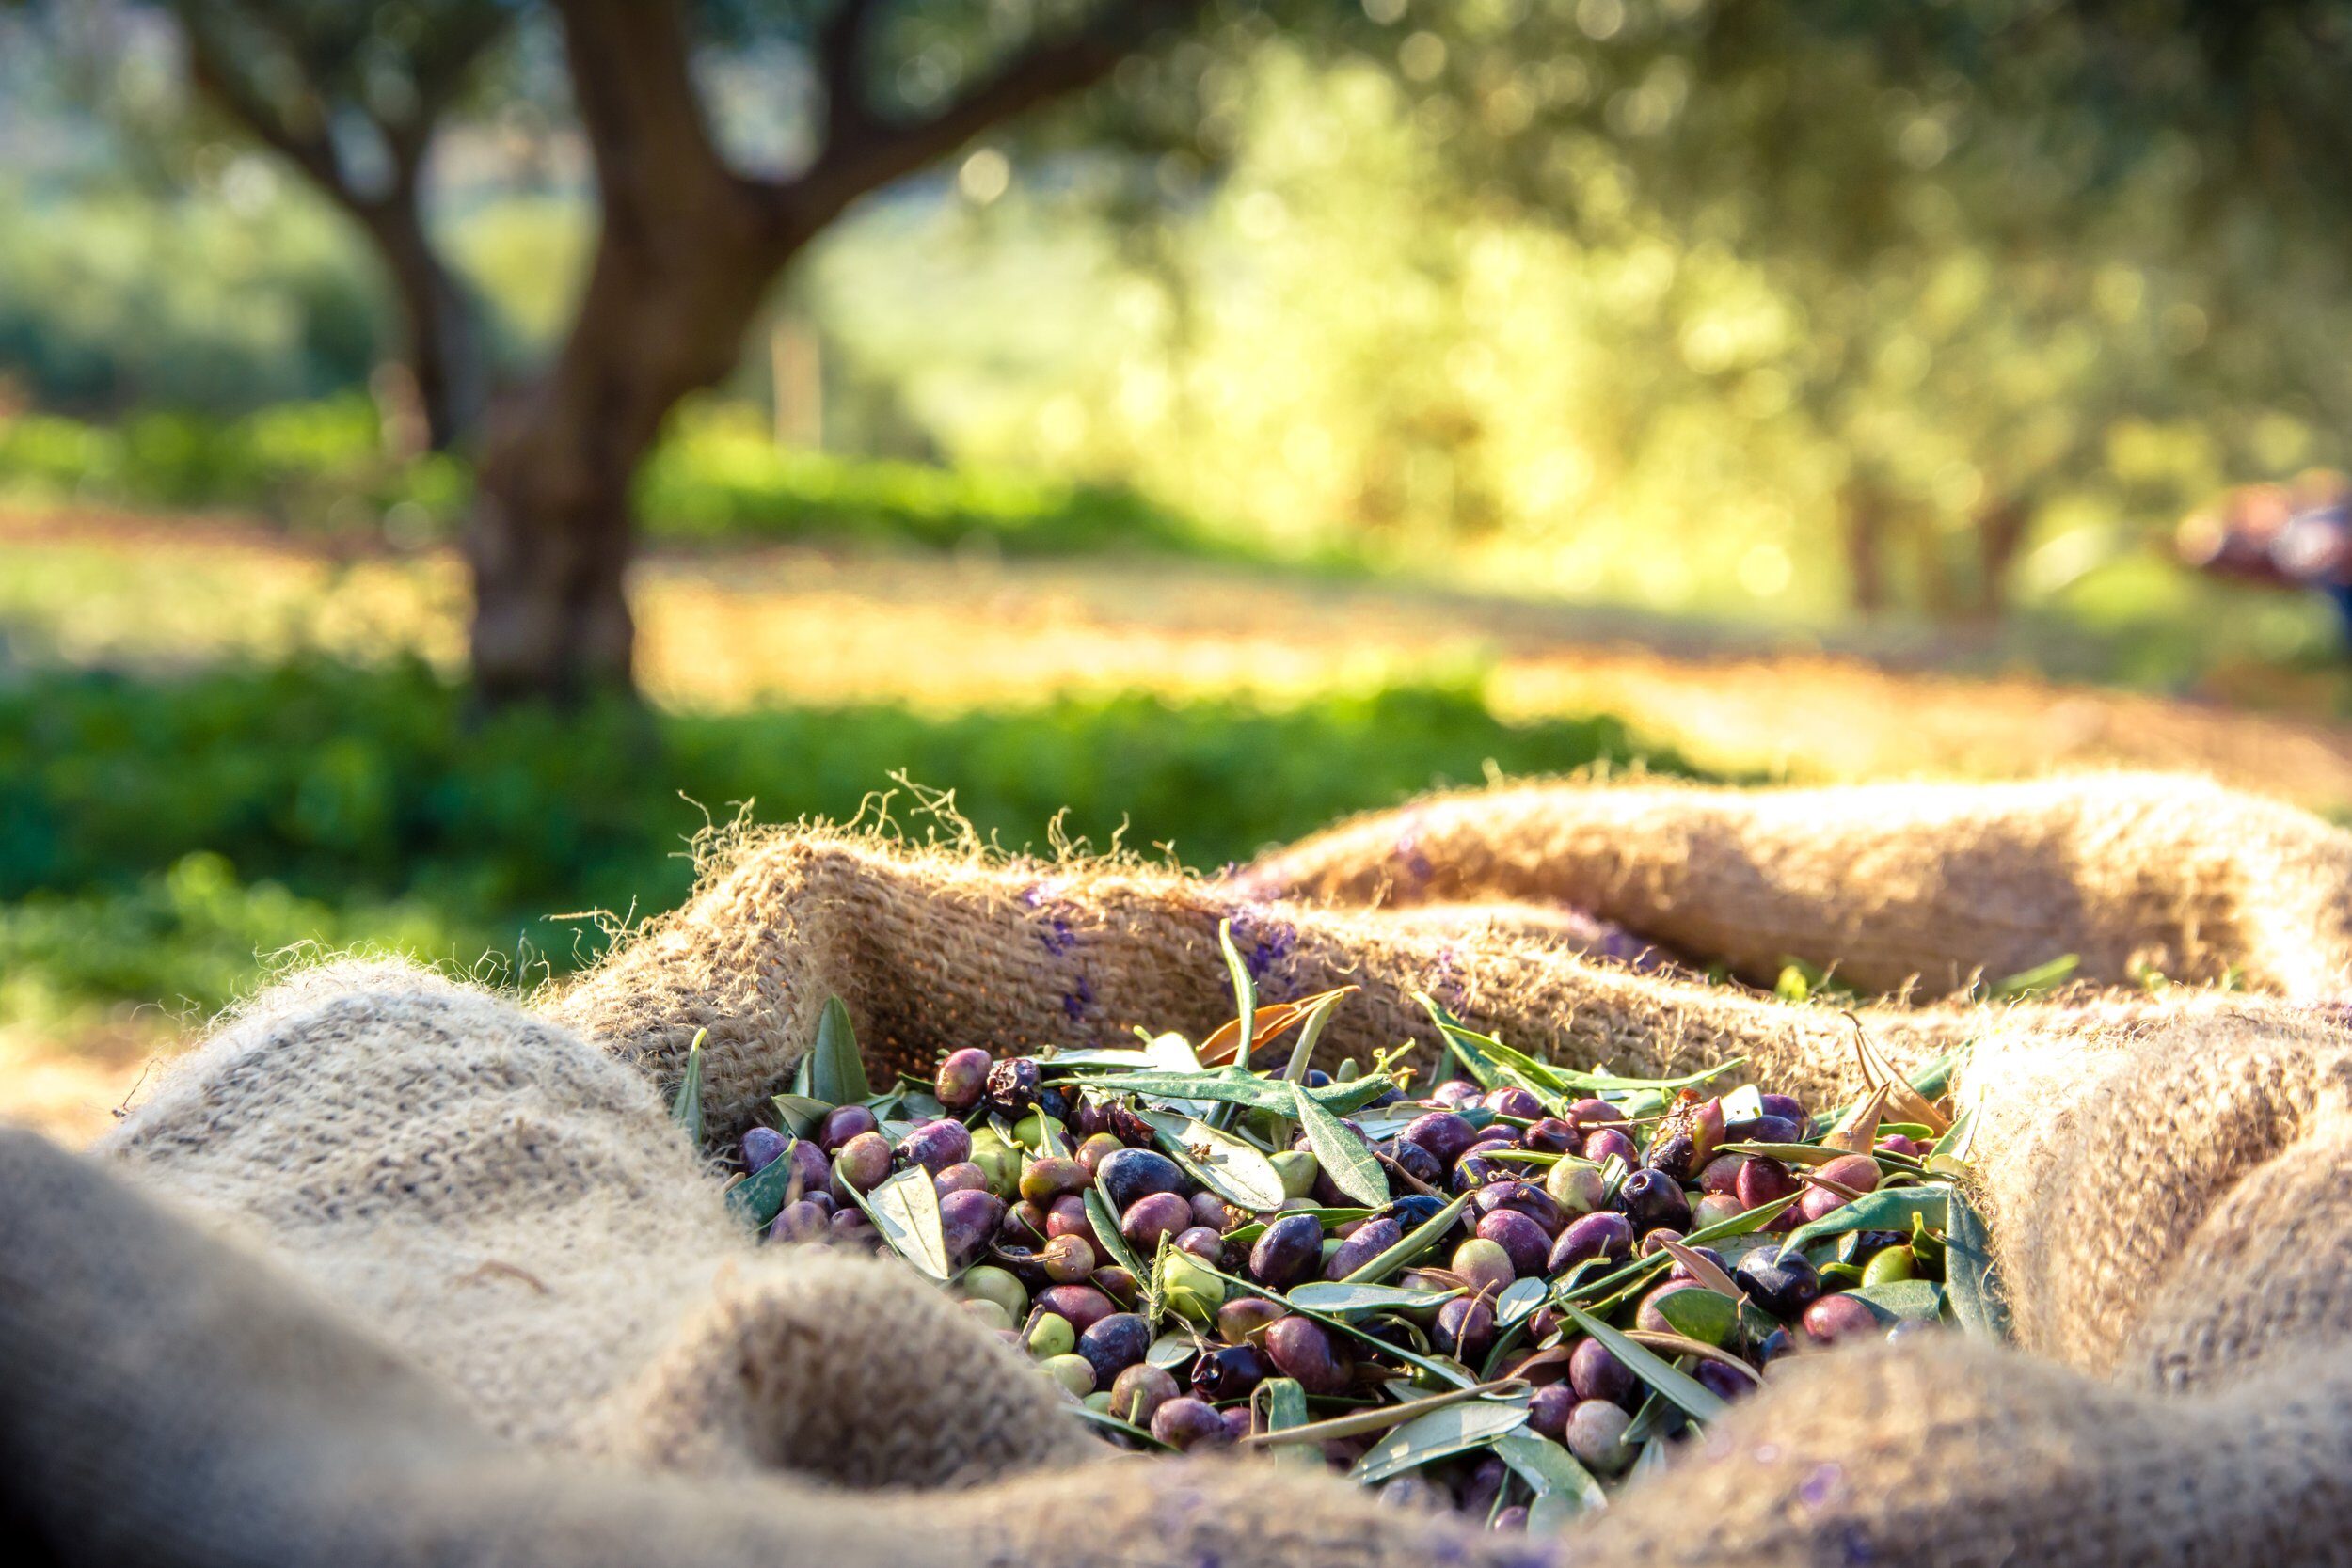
[(393, 1270)]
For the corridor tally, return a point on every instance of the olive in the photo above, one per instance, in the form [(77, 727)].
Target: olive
[(1050, 1335), (1245, 1318), (1595, 1373), (1414, 1161), (990, 1314), (1188, 1425), (1414, 1494), (1114, 1344), (1888, 1265), (1576, 1186), (1095, 1150), (1484, 1266), (1054, 1103), (1074, 1372), (1550, 1135), (1595, 1434), (1602, 1235), (1518, 1103), (1785, 1105), (1227, 1372), (1609, 1144), (991, 1283), (1522, 1237), (1133, 1174), (1818, 1203), (1373, 1239), (1317, 1079), (967, 1221), (1784, 1284), (841, 1124), (1650, 1198), (1454, 1092), (1138, 1393), (1211, 1210), (1013, 1085), (1152, 1216), (1024, 1224), (1770, 1348), (1466, 1329), (1721, 1380), (1067, 1215), (1761, 1181), (1773, 1130), (1548, 1410), (762, 1146), (1593, 1113), (1236, 1420), (1188, 1286), (1299, 1170), (1654, 1241), (1894, 1142), (1858, 1171), (1722, 1173), (1483, 1486), (1415, 1209), (1835, 1319), (961, 1178), (1287, 1252), (1444, 1135), (1713, 1209), (810, 1165), (1529, 1199), (1681, 1269), (804, 1221), (936, 1144), (1082, 1305), (962, 1078), (1473, 1171), (1204, 1244), (1116, 1283), (1066, 1259), (863, 1162), (1052, 1176), (1651, 1316), (1511, 1518), (1301, 1348)]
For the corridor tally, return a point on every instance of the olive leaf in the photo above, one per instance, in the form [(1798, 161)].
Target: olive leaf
[(1858, 1129), (1971, 1284), (1105, 1419), (1105, 1218), (1227, 1166), (1519, 1299), (905, 1209), (760, 1197), (800, 1114), (1330, 1219), (1247, 1090), (686, 1109), (1437, 1435), (1701, 1268), (1705, 1315), (2041, 977), (1888, 1209), (1414, 1242), (1244, 995), (1342, 1156), (1880, 1073), (1899, 1300), (1632, 1274), (1564, 1489), (1676, 1384), (1340, 1298), (1319, 1014), (1171, 1350), (837, 1074)]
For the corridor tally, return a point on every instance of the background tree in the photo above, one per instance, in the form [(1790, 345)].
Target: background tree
[(352, 96)]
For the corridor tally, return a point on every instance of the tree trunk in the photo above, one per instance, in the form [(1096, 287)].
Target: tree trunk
[(2001, 527), (441, 334), (664, 314), (1866, 546)]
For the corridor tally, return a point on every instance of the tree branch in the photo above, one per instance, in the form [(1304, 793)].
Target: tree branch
[(866, 154), (840, 51)]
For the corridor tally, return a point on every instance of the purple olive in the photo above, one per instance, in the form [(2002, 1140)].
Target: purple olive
[(1454, 1092), (1483, 1486), (1054, 1175), (841, 1124), (1763, 1181), (1133, 1174), (1013, 1085), (1244, 1318), (1442, 1134), (962, 1078), (1515, 1102), (968, 1220), (1204, 1244), (1287, 1252), (1651, 1198), (810, 1165), (1066, 1260), (1191, 1425), (1595, 1374), (1787, 1105), (1528, 1198), (1082, 1305), (1211, 1210), (850, 1224), (863, 1162), (1024, 1225), (1721, 1381), (1152, 1216), (1466, 1329), (1301, 1348), (936, 1144), (1682, 1272), (1722, 1173), (1772, 1129), (1609, 1144), (804, 1221), (1551, 1136), (1114, 1344), (1513, 1518), (1602, 1235), (1836, 1319), (1473, 1171), (1371, 1239), (1227, 1372), (963, 1177), (1783, 1285), (1594, 1113), (1522, 1237), (1067, 1215), (761, 1147), (1547, 1409), (1138, 1393)]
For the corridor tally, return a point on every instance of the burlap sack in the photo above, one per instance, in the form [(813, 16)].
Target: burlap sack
[(393, 1270)]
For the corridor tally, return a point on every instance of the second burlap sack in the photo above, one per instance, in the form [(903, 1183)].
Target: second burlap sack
[(497, 1200)]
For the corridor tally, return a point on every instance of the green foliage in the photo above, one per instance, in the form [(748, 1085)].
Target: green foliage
[(367, 805)]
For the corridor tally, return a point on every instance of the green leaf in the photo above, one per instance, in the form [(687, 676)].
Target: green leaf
[(1104, 1418), (1342, 1156), (837, 1074), (1652, 1368), (1415, 1241), (800, 1114), (1519, 1299), (1971, 1284), (1245, 994), (1554, 1476), (1703, 1315), (1310, 1033), (1285, 1403), (1231, 1168), (760, 1197), (1109, 1057), (1106, 1222), (1437, 1435), (686, 1109), (1900, 1300), (905, 1209), (2041, 977), (1171, 1350), (1338, 1298), (1243, 1089), (1447, 1371), (1887, 1209), (1741, 1224)]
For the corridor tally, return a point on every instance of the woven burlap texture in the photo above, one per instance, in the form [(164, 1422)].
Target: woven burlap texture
[(391, 1269)]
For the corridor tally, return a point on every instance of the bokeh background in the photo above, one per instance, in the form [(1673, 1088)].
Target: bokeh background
[(1282, 409)]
